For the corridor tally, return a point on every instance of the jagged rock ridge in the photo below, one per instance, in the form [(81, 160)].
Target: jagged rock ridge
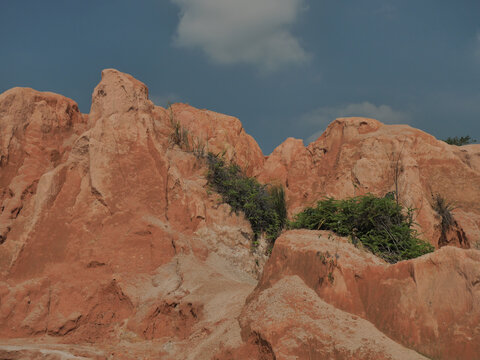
[(112, 246)]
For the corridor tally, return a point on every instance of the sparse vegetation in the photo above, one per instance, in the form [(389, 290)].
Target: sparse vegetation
[(396, 169), (199, 148), (380, 224), (460, 141), (179, 135), (184, 139), (263, 205), (444, 210), (330, 262)]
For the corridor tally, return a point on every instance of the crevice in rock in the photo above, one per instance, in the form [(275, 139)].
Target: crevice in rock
[(67, 328), (98, 195), (166, 193), (171, 319), (3, 161), (411, 271), (95, 264), (453, 235), (179, 275), (3, 236), (264, 347), (48, 307), (29, 191), (143, 232), (15, 212)]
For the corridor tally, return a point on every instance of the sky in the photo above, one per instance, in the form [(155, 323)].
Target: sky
[(285, 68)]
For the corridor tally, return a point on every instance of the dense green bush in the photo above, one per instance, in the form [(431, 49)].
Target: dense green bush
[(380, 224), (459, 141), (263, 205)]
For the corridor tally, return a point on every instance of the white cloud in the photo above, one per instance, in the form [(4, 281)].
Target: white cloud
[(255, 32), (322, 117)]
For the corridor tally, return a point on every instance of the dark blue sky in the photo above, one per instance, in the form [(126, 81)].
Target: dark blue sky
[(284, 67)]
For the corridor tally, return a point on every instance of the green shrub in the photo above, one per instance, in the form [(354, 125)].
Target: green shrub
[(459, 141), (380, 224), (263, 205)]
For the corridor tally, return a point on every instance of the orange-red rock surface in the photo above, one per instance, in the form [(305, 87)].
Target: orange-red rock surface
[(355, 156), (430, 304), (112, 246), (115, 238)]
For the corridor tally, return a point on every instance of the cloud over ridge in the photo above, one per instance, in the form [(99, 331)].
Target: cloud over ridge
[(254, 32)]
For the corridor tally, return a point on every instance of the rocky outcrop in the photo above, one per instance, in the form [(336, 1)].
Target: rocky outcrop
[(219, 134), (429, 304), (355, 156), (113, 246), (117, 237), (297, 324), (36, 134)]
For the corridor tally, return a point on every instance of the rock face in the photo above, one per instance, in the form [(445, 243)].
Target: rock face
[(430, 304), (355, 156), (113, 247), (36, 133), (109, 233)]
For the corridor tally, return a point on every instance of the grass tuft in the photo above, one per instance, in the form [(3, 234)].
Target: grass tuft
[(444, 210)]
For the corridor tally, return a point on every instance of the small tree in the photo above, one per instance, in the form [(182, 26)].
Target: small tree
[(459, 141)]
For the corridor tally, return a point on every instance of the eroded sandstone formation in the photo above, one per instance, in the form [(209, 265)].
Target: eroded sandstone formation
[(355, 156), (112, 246), (430, 304)]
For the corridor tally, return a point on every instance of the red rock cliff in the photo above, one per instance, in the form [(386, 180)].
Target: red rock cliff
[(355, 156), (112, 245)]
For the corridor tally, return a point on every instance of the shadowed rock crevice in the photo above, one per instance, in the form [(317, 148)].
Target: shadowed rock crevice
[(264, 347), (171, 320)]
